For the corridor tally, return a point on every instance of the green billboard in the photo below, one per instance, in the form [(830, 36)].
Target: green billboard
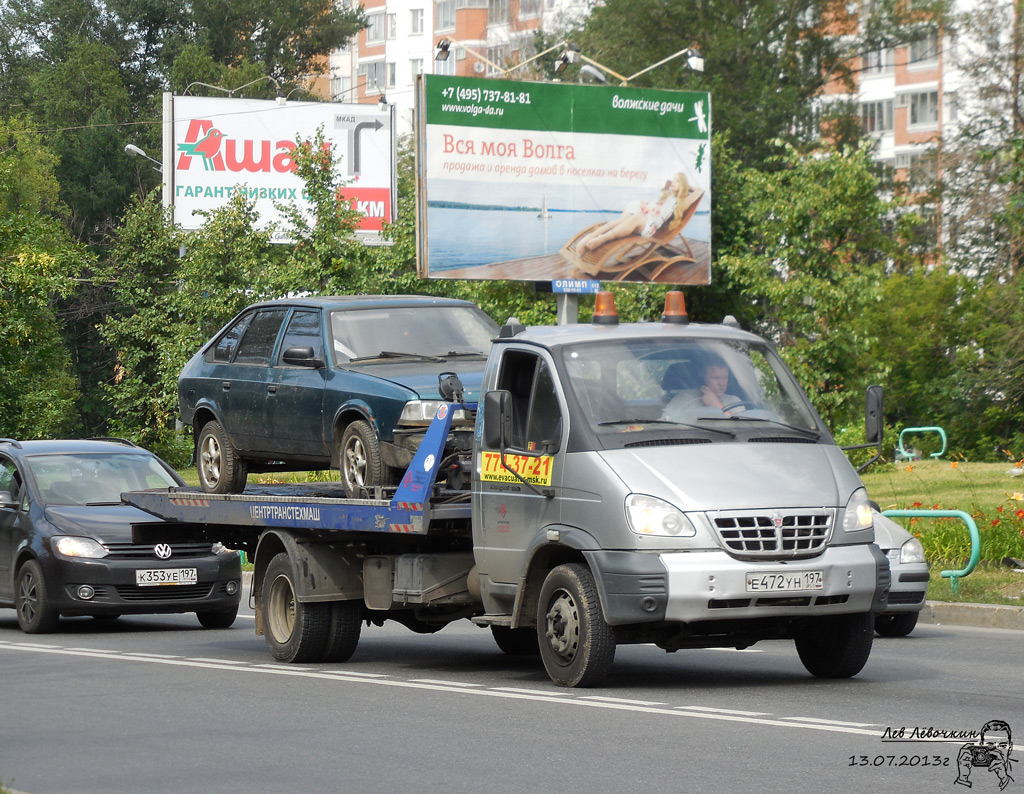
[(545, 181)]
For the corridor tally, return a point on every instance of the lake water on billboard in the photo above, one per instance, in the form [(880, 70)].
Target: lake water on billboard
[(466, 237)]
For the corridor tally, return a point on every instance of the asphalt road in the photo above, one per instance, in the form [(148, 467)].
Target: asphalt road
[(157, 705)]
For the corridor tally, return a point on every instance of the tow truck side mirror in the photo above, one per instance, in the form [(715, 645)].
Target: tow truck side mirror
[(497, 419), (873, 415)]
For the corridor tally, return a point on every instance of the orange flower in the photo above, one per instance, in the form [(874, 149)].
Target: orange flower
[(916, 504), (953, 465), (909, 468), (999, 509), (995, 522), (1020, 514)]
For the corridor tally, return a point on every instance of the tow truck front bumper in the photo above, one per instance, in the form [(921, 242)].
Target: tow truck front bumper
[(688, 587)]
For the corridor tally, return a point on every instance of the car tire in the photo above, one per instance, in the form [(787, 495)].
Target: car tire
[(837, 646), (217, 618), (359, 460), (577, 646), (346, 622), (36, 614), (516, 642), (294, 631), (896, 625), (220, 468)]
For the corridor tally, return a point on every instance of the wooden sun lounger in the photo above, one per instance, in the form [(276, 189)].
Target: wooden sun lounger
[(623, 256)]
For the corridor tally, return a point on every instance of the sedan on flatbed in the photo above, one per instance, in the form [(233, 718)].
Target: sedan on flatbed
[(66, 545), (348, 383)]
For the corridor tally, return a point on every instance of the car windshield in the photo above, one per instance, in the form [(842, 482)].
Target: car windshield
[(716, 387), (415, 331), (95, 478)]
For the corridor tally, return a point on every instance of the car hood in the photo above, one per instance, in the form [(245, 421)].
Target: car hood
[(706, 477), (105, 523), (421, 376)]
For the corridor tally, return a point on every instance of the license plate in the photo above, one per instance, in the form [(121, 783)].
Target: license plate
[(784, 581), (152, 577)]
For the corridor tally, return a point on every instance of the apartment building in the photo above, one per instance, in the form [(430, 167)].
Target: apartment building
[(402, 41)]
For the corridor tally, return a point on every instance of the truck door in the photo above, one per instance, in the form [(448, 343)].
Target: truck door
[(512, 513)]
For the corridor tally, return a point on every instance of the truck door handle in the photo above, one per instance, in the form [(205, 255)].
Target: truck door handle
[(225, 385), (272, 388)]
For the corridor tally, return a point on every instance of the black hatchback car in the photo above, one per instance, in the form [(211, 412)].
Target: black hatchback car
[(348, 383), (66, 540)]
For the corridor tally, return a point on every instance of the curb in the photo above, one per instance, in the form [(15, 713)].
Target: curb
[(985, 616)]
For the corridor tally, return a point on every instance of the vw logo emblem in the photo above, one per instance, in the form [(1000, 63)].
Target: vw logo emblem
[(163, 551)]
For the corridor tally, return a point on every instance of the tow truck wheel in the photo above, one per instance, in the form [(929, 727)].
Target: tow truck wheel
[(516, 642), (295, 632), (220, 469), (896, 625), (343, 633), (836, 646), (576, 644), (359, 459)]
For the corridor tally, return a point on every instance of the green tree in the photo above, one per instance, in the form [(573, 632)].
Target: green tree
[(38, 265), (811, 261)]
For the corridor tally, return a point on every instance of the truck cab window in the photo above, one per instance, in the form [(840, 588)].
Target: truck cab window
[(536, 415)]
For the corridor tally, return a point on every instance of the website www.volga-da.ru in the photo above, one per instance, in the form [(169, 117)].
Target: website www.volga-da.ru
[(474, 110)]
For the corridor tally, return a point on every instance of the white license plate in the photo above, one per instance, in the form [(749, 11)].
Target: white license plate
[(166, 576), (784, 581)]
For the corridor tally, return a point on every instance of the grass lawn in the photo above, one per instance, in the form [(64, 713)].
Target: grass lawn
[(992, 493)]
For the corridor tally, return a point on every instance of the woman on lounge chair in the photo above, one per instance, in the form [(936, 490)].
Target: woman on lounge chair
[(640, 217)]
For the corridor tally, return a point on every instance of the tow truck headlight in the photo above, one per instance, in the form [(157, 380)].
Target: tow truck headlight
[(419, 413), (912, 552), (69, 546), (857, 515), (648, 515)]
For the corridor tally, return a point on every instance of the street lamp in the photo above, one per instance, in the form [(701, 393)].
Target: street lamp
[(134, 151)]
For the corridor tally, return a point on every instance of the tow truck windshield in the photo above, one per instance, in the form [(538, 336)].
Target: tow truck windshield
[(705, 387)]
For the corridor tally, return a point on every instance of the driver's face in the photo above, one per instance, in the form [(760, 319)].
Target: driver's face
[(717, 379)]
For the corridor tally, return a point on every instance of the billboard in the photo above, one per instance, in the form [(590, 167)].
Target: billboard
[(216, 146), (552, 181)]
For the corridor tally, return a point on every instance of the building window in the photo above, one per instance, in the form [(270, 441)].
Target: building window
[(416, 21), (374, 28), (444, 15), (924, 109), (391, 26), (415, 67), (497, 11), (372, 76), (876, 116), (391, 74), (925, 49), (446, 67), (341, 88), (529, 8), (878, 61)]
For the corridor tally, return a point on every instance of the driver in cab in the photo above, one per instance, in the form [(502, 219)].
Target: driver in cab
[(712, 394)]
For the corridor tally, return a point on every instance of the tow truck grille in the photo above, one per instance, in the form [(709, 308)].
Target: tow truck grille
[(780, 536)]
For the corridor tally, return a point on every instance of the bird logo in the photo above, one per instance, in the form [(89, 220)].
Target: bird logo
[(206, 147)]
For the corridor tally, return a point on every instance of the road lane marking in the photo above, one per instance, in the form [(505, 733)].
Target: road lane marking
[(444, 683), (564, 698), (832, 722), (726, 711), (623, 700)]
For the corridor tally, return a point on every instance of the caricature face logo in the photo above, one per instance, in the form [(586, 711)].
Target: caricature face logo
[(991, 752)]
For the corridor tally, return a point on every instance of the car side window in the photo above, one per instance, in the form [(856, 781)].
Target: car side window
[(258, 341), (536, 415), (229, 341), (10, 482), (303, 331)]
